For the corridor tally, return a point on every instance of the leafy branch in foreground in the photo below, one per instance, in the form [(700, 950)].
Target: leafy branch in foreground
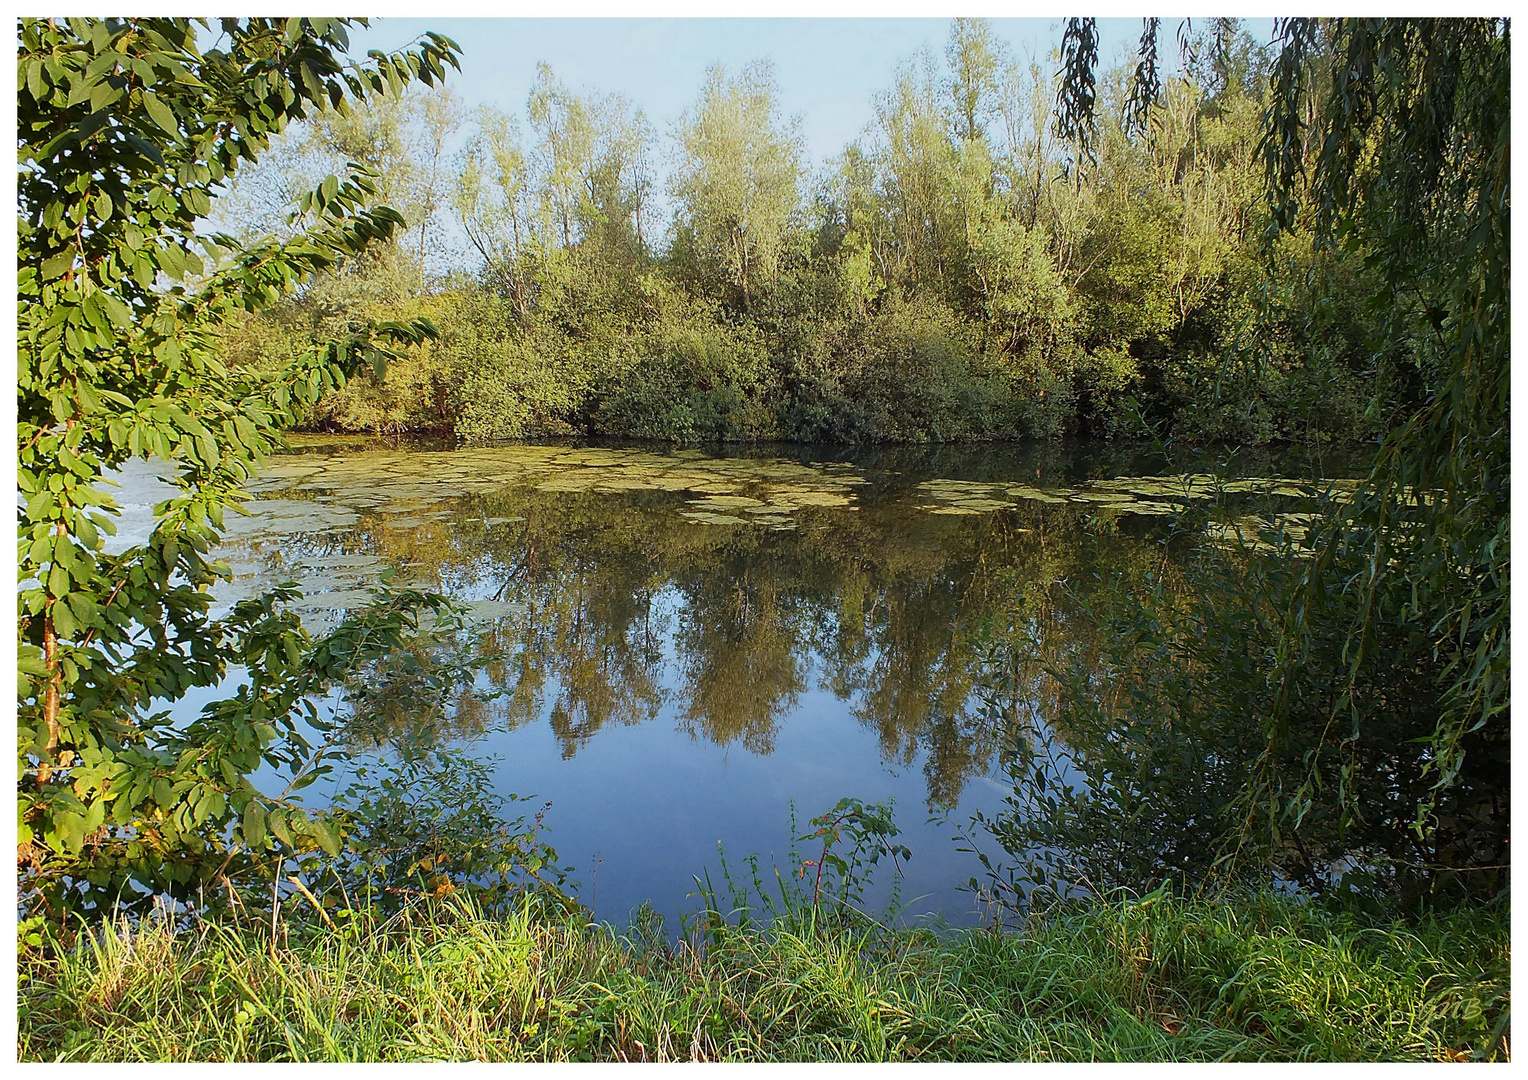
[(127, 132)]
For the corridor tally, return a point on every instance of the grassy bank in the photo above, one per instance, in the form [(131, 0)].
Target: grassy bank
[(1260, 978)]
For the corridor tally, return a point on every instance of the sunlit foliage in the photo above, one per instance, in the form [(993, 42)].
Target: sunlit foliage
[(127, 132)]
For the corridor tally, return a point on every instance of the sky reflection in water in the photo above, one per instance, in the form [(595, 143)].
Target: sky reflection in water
[(690, 644)]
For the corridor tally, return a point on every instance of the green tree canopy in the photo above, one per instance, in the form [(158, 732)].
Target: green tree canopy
[(127, 132), (737, 184)]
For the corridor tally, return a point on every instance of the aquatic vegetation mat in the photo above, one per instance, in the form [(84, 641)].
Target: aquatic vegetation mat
[(405, 482), (1149, 496), (310, 503), (323, 514)]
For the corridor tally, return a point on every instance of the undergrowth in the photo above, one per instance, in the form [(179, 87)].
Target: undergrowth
[(1252, 978)]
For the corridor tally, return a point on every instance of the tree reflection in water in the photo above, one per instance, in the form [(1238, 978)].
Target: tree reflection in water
[(601, 598)]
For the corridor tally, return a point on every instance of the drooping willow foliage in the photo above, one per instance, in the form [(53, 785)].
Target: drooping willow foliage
[(1413, 130), (1387, 676)]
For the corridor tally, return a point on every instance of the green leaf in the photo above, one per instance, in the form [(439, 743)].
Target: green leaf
[(95, 814), (36, 80), (327, 839), (71, 831), (160, 113), (172, 260), (83, 609), (58, 581), (57, 266), (103, 95), (30, 660), (254, 824), (118, 312), (277, 822)]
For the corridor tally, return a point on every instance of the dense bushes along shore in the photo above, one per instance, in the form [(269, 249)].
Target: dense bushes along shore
[(959, 272)]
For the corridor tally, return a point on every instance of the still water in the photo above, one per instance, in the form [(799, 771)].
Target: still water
[(681, 650)]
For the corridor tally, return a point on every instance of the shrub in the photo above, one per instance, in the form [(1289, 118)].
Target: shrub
[(711, 383)]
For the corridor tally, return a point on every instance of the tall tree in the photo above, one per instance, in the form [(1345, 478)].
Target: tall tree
[(592, 163), (565, 150), (492, 200), (441, 118), (917, 162), (737, 178), (975, 64)]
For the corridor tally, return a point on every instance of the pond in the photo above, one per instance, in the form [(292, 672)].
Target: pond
[(682, 649)]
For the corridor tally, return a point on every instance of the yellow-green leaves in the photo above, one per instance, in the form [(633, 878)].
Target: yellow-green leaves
[(160, 113)]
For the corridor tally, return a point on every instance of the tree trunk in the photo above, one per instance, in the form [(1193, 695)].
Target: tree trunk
[(50, 700)]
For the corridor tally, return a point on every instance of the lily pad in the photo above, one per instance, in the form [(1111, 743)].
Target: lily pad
[(1037, 495), (491, 609), (727, 502), (282, 517)]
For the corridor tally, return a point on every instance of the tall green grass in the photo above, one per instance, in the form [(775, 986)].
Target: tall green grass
[(1256, 979)]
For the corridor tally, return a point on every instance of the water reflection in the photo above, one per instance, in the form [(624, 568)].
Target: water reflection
[(603, 596), (687, 648)]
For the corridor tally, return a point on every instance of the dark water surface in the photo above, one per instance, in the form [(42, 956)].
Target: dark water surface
[(690, 644)]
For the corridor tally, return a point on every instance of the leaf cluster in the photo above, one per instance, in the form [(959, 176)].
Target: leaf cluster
[(128, 130)]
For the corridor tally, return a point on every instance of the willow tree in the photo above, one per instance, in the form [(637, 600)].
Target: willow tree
[(920, 168), (1390, 140), (737, 181), (493, 201), (127, 133), (1411, 156), (975, 65)]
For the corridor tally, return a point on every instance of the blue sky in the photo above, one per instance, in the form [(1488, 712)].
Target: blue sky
[(827, 69)]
